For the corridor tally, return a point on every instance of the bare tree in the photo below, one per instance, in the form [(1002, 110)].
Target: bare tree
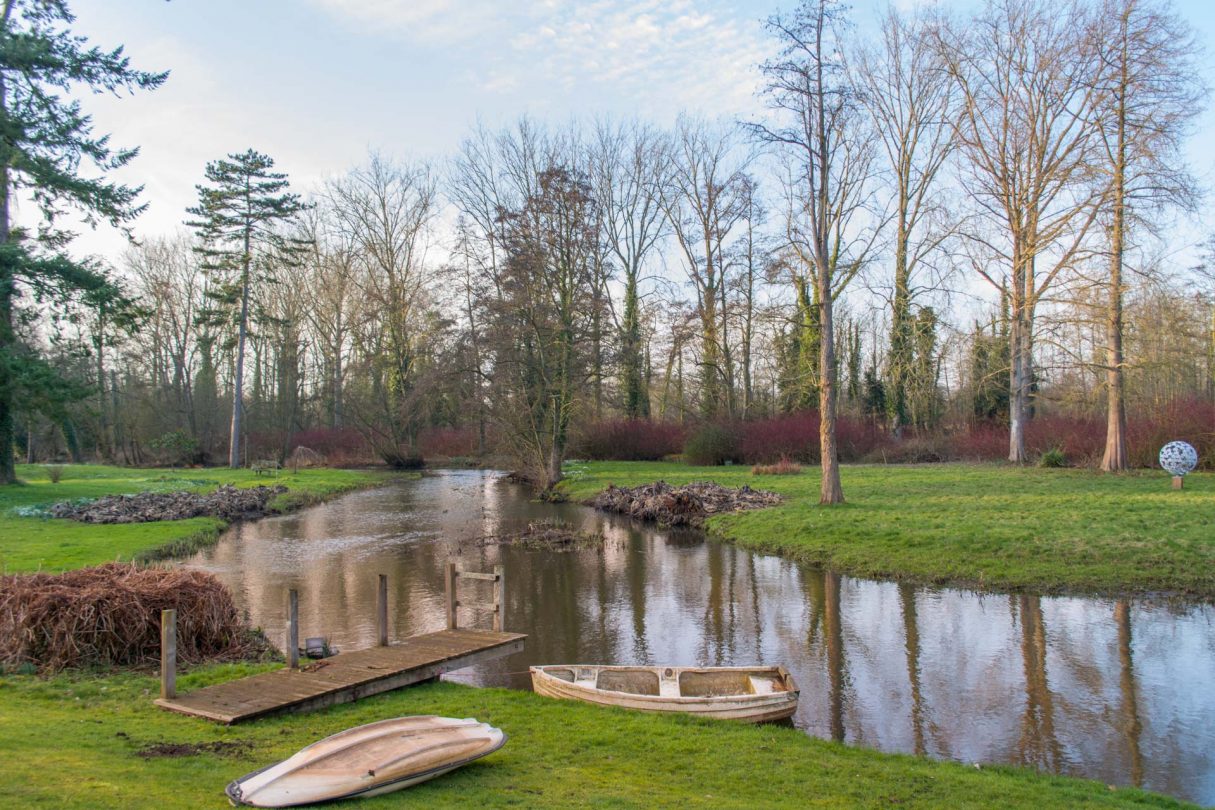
[(543, 320), (1027, 87), (387, 211), (627, 175), (828, 157), (909, 97), (1149, 94), (704, 199)]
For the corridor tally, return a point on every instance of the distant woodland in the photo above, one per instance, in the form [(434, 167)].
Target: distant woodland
[(956, 239)]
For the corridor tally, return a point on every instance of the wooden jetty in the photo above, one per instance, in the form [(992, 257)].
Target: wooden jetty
[(347, 676)]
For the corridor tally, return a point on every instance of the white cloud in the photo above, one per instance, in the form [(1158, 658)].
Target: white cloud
[(664, 53)]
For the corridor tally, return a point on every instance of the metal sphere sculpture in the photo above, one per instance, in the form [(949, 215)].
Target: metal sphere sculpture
[(1178, 458)]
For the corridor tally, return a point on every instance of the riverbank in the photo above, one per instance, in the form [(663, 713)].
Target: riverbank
[(30, 541), (985, 526), (83, 741)]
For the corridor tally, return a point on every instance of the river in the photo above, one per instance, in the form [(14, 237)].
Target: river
[(1120, 690)]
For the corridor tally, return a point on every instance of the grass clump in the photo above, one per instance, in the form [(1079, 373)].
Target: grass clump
[(1054, 458), (782, 467), (984, 525)]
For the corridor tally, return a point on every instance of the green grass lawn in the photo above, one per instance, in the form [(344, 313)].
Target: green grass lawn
[(72, 742), (29, 542), (986, 525)]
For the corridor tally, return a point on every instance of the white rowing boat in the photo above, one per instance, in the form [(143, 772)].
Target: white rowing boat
[(368, 760), (748, 694)]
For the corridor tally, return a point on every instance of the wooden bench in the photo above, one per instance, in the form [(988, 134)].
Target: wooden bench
[(267, 465)]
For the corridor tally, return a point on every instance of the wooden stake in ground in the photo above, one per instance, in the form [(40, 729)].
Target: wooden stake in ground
[(168, 654)]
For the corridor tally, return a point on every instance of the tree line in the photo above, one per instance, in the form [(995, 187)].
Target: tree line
[(824, 255)]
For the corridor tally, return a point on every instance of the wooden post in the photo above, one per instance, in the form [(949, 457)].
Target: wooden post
[(293, 629), (452, 604), (499, 597), (381, 610), (168, 654), (1178, 482)]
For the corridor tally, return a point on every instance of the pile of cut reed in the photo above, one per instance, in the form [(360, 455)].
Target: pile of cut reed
[(110, 616)]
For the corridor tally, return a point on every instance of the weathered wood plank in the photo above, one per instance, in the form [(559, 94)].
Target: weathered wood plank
[(345, 677)]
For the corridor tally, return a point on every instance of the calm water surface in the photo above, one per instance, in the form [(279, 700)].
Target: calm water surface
[(1117, 690)]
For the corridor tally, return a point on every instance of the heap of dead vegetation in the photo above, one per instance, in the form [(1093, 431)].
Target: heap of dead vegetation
[(110, 616), (688, 505), (549, 535), (227, 502)]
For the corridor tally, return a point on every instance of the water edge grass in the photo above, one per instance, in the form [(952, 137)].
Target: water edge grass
[(983, 525), (29, 541), (75, 741)]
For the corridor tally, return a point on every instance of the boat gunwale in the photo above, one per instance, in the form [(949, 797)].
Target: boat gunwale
[(792, 693)]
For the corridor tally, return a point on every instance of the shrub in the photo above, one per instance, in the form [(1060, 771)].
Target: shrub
[(448, 441), (782, 467), (792, 436), (339, 446), (712, 444), (1054, 457), (54, 472), (627, 440)]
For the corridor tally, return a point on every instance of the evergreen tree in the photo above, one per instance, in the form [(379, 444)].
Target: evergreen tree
[(44, 140), (239, 217)]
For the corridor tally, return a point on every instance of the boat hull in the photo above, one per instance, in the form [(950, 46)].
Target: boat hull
[(777, 701), (368, 760)]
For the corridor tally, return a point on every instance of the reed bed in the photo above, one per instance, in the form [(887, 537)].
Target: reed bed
[(782, 467), (110, 616)]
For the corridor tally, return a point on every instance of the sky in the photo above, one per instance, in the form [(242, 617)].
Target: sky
[(316, 84)]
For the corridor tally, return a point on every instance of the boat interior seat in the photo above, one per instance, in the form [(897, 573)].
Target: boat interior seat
[(632, 681)]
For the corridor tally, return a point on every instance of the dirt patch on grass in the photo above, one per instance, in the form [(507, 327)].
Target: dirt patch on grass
[(688, 505), (223, 748), (227, 503)]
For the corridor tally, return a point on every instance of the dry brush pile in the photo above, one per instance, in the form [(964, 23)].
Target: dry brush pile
[(227, 502), (110, 616), (688, 505)]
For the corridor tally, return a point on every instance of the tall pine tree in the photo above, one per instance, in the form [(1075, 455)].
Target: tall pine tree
[(239, 217), (45, 138)]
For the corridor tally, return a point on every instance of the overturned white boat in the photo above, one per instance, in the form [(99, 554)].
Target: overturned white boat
[(747, 694), (368, 761)]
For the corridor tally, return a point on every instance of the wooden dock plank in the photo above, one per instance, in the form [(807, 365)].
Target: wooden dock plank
[(345, 677)]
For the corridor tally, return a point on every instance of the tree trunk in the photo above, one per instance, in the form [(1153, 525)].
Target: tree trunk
[(8, 339), (238, 373), (832, 490), (1115, 458), (900, 331)]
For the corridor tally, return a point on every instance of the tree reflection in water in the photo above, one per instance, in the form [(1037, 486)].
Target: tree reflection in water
[(1058, 683)]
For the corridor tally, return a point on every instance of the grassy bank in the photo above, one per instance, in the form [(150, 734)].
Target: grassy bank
[(75, 741), (986, 525), (29, 541)]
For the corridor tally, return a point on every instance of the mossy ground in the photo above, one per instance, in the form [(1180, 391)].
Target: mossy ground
[(73, 742), (996, 526), (30, 542)]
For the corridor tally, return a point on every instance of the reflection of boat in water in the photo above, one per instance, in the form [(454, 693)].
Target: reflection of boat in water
[(748, 694), (368, 761)]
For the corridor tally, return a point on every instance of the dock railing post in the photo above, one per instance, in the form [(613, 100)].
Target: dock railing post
[(499, 597), (293, 629), (168, 654), (381, 611), (452, 603)]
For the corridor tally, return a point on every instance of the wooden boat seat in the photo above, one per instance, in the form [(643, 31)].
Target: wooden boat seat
[(633, 681)]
